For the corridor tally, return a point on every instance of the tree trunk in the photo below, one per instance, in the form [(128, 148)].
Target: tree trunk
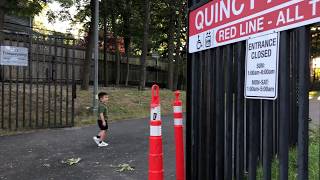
[(145, 45), (127, 38), (105, 47), (177, 66), (178, 63), (86, 68), (117, 53), (128, 67), (171, 45), (118, 59)]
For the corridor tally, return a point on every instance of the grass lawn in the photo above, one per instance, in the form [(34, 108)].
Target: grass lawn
[(124, 103), (314, 94), (314, 160)]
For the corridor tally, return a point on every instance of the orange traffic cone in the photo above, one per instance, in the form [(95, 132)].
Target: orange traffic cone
[(178, 133), (155, 140)]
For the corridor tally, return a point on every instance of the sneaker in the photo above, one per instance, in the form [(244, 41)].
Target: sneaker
[(103, 144), (96, 140)]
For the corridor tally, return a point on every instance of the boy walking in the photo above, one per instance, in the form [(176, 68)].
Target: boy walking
[(102, 114)]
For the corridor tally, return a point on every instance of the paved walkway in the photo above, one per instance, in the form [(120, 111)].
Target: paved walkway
[(314, 111), (38, 156)]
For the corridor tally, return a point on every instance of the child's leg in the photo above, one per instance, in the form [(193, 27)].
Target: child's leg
[(102, 135)]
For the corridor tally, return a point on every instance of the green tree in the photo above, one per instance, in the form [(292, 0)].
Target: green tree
[(86, 67), (146, 26)]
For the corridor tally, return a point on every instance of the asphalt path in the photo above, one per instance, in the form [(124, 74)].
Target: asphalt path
[(314, 112), (39, 155)]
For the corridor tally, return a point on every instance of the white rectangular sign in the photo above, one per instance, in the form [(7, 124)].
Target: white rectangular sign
[(261, 78), (13, 56)]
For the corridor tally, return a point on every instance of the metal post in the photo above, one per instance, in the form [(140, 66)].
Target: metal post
[(96, 55), (254, 117), (219, 169), (303, 138), (229, 112), (284, 105), (240, 112), (267, 138), (212, 147), (201, 116)]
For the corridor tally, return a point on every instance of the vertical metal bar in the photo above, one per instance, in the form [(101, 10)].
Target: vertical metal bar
[(219, 170), (274, 127), (284, 78), (195, 120), (10, 90), (37, 80), (62, 47), (261, 132), (254, 117), (67, 80), (43, 79), (10, 97), (2, 95), (50, 78), (304, 77), (74, 87), (291, 103), (195, 101), (189, 113), (201, 119), (228, 120), (295, 87), (211, 114), (246, 138), (17, 89), (234, 112), (30, 78), (267, 138), (55, 80), (2, 86), (240, 111), (24, 87)]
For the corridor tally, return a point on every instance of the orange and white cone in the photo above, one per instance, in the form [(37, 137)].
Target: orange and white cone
[(178, 132), (155, 139)]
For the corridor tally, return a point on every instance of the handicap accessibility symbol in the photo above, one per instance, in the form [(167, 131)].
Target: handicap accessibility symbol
[(208, 39), (199, 43)]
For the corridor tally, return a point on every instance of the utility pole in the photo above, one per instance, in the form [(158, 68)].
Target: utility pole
[(96, 56)]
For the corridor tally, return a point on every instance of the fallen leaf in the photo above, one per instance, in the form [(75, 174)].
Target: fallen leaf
[(71, 161), (124, 167)]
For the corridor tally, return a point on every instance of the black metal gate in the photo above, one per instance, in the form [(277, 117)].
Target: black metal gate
[(41, 94), (228, 135)]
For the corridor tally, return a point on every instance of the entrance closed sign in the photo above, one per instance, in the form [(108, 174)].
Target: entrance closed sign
[(262, 67)]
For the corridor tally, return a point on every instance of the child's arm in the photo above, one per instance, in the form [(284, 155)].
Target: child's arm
[(102, 119)]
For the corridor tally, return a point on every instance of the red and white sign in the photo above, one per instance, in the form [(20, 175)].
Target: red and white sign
[(222, 22)]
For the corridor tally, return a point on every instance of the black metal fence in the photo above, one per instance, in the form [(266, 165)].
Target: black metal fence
[(227, 135), (41, 94)]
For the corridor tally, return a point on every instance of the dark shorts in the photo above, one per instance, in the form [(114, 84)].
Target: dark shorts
[(101, 126)]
